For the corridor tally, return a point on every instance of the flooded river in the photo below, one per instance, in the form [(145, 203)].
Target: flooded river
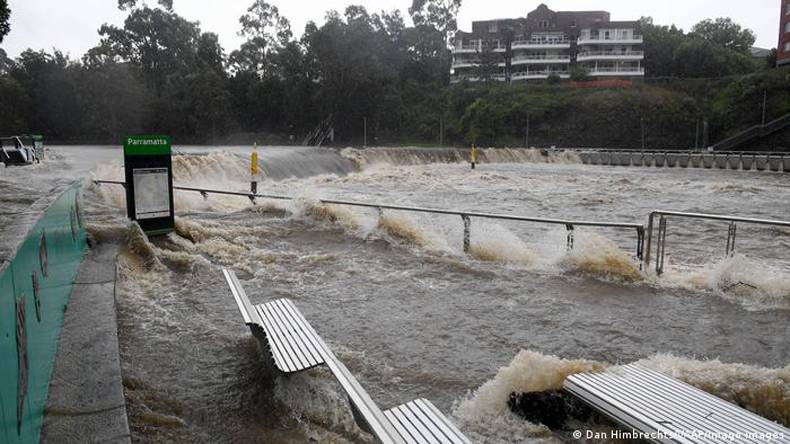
[(411, 314)]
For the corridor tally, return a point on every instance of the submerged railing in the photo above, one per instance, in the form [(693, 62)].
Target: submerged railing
[(466, 216), (644, 243), (662, 231)]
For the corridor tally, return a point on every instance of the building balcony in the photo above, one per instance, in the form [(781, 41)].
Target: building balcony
[(473, 78), (539, 74), (612, 40), (622, 71), (539, 59), (541, 44), (608, 55), (466, 49), (465, 63)]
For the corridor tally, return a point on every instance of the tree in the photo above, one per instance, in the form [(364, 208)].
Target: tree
[(488, 66), (579, 73), (157, 41), (5, 15), (439, 14), (266, 32), (725, 33)]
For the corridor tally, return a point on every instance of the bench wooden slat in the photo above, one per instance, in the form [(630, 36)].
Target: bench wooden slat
[(300, 344), (420, 421), (718, 407), (311, 349), (662, 415), (279, 349), (651, 402), (442, 422), (428, 422), (695, 410), (687, 413), (291, 354), (403, 429), (396, 415)]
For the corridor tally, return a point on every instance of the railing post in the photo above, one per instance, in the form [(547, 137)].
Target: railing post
[(640, 244), (569, 241), (467, 232), (649, 239), (731, 239), (661, 245)]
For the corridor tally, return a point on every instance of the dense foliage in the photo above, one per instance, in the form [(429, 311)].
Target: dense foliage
[(5, 15), (159, 73)]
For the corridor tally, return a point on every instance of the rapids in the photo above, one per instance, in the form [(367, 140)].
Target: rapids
[(412, 315)]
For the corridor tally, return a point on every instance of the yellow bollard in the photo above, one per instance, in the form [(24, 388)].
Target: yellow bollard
[(254, 169), (473, 156)]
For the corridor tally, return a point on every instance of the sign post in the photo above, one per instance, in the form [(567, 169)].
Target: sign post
[(149, 183)]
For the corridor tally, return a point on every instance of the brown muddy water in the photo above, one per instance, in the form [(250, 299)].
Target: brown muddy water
[(410, 314)]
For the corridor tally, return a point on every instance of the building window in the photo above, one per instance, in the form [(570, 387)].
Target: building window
[(787, 27), (787, 11), (492, 27), (543, 24), (787, 47)]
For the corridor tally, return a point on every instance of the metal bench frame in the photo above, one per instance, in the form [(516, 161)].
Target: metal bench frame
[(292, 345)]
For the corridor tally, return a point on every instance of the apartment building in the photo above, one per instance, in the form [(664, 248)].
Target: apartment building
[(783, 50), (547, 42)]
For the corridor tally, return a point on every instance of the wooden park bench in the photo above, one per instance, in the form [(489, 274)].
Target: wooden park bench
[(294, 346)]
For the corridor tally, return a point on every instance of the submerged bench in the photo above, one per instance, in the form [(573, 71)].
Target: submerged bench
[(294, 346), (668, 410)]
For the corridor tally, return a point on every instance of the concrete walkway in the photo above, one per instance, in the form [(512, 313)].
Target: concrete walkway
[(86, 401)]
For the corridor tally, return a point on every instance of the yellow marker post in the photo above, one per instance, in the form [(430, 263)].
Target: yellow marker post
[(254, 169), (473, 156)]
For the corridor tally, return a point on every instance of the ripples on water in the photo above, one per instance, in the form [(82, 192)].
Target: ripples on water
[(413, 316)]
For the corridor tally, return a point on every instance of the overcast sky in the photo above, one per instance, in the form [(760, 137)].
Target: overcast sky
[(71, 25)]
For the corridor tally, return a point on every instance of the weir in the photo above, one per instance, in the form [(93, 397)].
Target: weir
[(734, 160)]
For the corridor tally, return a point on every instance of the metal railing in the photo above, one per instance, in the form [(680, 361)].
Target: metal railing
[(662, 232), (564, 57), (610, 53), (466, 216), (619, 69), (540, 42), (611, 38)]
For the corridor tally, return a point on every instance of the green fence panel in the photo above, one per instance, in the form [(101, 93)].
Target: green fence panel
[(34, 293)]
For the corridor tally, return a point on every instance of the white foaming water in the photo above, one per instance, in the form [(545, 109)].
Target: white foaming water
[(315, 399), (756, 285), (485, 412), (365, 158)]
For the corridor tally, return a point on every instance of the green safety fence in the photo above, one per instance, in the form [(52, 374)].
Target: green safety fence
[(34, 292)]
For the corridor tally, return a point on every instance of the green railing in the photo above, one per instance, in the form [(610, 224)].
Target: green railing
[(34, 291)]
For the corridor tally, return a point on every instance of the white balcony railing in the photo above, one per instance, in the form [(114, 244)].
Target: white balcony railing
[(539, 74), (465, 63), (612, 39), (542, 58), (610, 55), (541, 43), (617, 71), (467, 48)]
